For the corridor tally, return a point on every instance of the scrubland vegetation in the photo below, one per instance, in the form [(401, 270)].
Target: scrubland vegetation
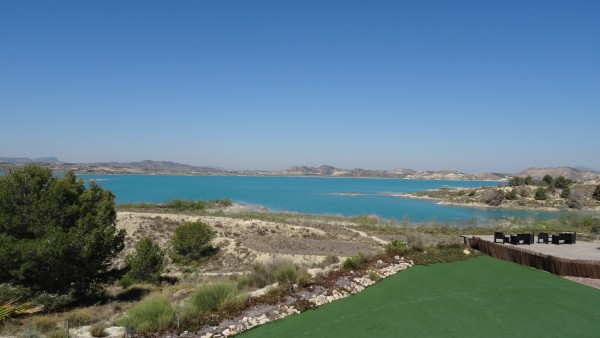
[(178, 205)]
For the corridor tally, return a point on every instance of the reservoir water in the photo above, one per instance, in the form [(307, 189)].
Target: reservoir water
[(335, 196)]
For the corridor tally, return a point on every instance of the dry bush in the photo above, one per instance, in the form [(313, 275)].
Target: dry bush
[(374, 276), (494, 198), (56, 333), (98, 330), (355, 262), (414, 239), (46, 323), (83, 316), (153, 314)]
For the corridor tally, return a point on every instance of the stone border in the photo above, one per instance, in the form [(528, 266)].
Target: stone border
[(256, 316)]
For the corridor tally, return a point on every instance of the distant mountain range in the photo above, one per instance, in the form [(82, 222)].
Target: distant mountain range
[(159, 166), (28, 160), (326, 170), (142, 167), (173, 168)]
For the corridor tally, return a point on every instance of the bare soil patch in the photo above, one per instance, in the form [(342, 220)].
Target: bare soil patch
[(243, 242)]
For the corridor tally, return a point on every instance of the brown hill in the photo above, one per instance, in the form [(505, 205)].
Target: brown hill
[(568, 172), (326, 170), (143, 167)]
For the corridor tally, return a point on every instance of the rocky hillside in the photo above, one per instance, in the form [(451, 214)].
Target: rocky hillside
[(326, 170), (452, 175), (162, 166), (524, 197), (568, 172), (29, 160), (143, 167), (174, 168), (165, 167)]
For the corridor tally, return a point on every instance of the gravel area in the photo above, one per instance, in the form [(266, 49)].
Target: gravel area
[(595, 283)]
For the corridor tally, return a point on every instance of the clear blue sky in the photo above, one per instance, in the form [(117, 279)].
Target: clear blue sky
[(465, 85)]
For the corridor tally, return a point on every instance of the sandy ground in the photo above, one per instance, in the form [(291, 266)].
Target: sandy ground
[(243, 242)]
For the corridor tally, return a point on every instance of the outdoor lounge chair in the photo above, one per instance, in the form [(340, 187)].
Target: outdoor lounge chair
[(500, 235), (544, 237)]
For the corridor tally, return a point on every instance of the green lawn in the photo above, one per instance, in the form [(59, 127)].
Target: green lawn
[(481, 297)]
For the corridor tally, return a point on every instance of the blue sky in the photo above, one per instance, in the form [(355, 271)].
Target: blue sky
[(465, 85)]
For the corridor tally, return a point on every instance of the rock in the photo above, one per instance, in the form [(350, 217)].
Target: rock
[(263, 319), (226, 333), (115, 331), (315, 271), (319, 300)]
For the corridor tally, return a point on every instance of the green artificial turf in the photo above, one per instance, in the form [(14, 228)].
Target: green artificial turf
[(481, 297)]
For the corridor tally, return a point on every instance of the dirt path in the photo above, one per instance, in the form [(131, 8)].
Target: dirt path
[(364, 234)]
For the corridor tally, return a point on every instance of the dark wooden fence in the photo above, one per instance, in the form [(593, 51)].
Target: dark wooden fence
[(555, 265)]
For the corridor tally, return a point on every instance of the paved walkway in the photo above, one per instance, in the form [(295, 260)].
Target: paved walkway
[(578, 251)]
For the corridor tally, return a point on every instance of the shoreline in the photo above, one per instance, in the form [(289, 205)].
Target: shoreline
[(479, 205), (237, 209), (283, 176)]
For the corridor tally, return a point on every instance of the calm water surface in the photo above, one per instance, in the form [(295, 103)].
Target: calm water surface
[(311, 195)]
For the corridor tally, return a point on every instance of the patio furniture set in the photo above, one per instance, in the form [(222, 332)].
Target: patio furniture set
[(544, 237)]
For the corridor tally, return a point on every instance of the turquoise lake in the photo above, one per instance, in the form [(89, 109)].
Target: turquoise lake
[(312, 195)]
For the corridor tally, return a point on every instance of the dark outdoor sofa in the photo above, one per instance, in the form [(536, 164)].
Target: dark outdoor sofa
[(565, 238), (501, 237), (544, 237), (524, 238)]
